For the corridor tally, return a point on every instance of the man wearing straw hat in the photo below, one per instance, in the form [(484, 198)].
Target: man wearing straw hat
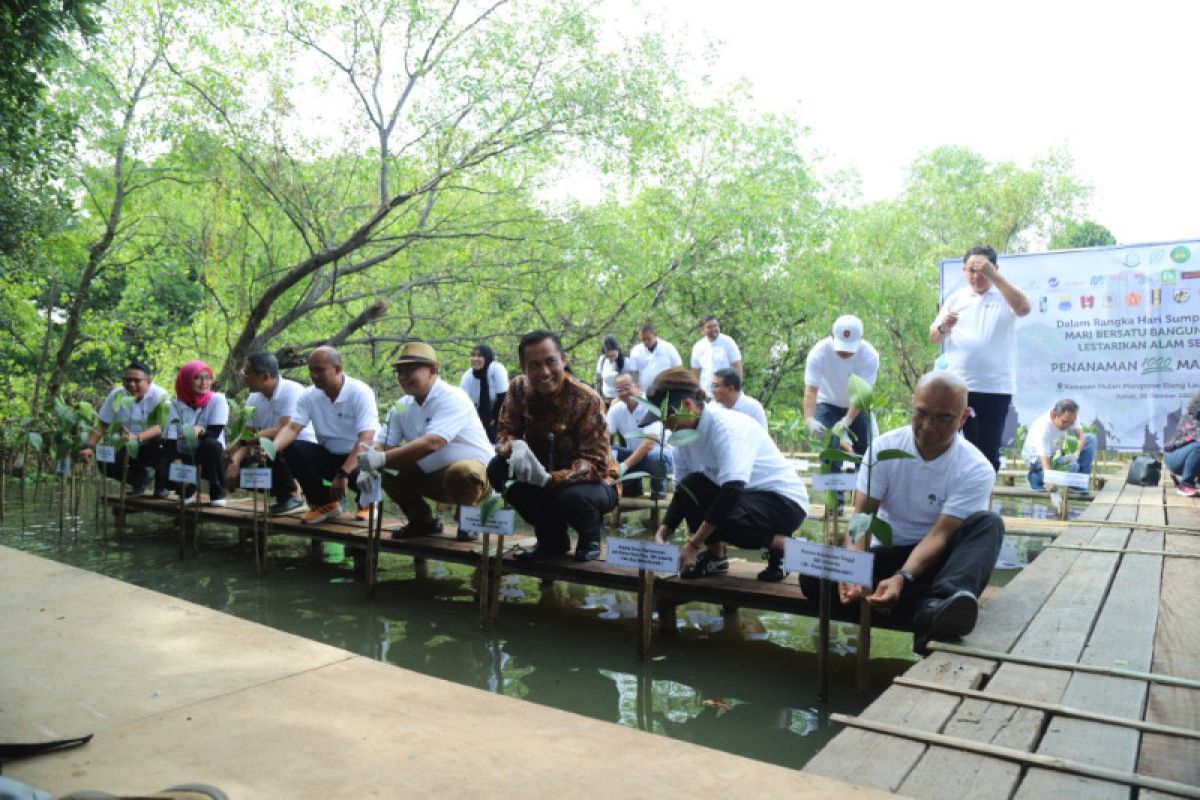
[(434, 442)]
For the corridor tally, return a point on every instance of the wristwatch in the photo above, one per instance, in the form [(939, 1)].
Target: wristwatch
[(341, 473), (908, 576)]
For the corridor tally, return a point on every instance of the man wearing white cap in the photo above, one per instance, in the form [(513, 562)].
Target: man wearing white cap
[(827, 372), (434, 441)]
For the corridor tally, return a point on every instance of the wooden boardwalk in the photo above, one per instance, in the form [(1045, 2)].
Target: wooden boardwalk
[(1116, 590)]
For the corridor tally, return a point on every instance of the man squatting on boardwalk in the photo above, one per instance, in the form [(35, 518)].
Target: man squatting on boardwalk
[(552, 442), (944, 539), (735, 485), (435, 443)]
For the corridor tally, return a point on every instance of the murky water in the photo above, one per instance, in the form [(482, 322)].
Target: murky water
[(743, 682)]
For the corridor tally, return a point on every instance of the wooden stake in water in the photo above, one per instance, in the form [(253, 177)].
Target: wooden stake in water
[(645, 611), (485, 589), (830, 531), (495, 576)]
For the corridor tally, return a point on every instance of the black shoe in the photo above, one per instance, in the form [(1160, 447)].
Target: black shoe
[(945, 619), (466, 536), (589, 551), (280, 507), (419, 527), (538, 553), (706, 564), (775, 571), (162, 494)]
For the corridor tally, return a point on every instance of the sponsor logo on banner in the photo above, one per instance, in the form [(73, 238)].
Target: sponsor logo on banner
[(1132, 260), (1118, 277), (1098, 280), (1156, 297), (1180, 254), (1042, 304), (1181, 295), (1167, 276), (1140, 277), (1087, 301), (1064, 303), (1052, 283), (1109, 301), (1191, 275), (1133, 299)]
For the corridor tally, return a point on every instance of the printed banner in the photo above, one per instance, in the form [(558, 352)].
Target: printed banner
[(1116, 329)]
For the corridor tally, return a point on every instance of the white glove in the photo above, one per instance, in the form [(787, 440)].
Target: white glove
[(370, 458), (815, 428), (524, 466), (622, 468), (841, 426)]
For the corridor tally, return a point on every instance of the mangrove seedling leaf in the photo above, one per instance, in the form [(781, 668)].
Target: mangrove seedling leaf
[(860, 526), (87, 412), (881, 530), (685, 436), (861, 394), (132, 446), (268, 446), (35, 440), (888, 455), (630, 476), (488, 507), (837, 454), (160, 415)]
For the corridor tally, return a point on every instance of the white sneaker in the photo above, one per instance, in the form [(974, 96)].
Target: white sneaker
[(220, 502)]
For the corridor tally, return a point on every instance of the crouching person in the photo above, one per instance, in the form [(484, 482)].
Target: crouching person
[(552, 442), (736, 487), (132, 417), (435, 443), (944, 538)]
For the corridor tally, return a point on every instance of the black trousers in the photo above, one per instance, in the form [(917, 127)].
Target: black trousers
[(208, 457), (756, 519), (985, 429), (149, 456), (312, 465), (967, 563), (551, 509)]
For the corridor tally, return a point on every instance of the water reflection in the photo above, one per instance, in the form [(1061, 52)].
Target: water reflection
[(743, 682)]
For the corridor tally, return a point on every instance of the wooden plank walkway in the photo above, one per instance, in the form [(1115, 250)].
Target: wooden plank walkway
[(1136, 611)]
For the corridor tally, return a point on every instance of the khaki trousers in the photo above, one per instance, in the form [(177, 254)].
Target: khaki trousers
[(463, 483)]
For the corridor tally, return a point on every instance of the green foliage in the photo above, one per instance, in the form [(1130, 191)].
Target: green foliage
[(1077, 234)]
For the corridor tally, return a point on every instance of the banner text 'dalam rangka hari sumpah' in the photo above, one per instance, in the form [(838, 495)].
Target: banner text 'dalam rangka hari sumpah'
[(1117, 329)]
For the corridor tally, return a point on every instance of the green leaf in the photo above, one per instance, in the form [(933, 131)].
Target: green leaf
[(132, 445), (188, 432), (837, 454), (888, 455), (326, 482), (35, 440), (488, 507), (268, 446), (638, 475), (160, 415), (860, 525), (87, 412), (861, 394), (685, 436)]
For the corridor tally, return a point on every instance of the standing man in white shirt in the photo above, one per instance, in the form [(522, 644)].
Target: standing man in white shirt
[(434, 441), (273, 398), (739, 488), (944, 539), (714, 351), (1045, 438), (344, 416), (652, 356), (639, 450), (727, 390), (131, 415), (827, 372), (976, 328)]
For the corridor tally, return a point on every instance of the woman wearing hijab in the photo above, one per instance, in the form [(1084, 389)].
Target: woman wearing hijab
[(610, 365), (1183, 451), (197, 406), (486, 383)]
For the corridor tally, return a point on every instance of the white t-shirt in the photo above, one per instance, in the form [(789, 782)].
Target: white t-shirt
[(607, 372), (648, 364), (446, 412), (914, 492), (752, 408), (497, 377), (981, 347), (282, 403), (133, 417), (709, 356), (215, 413), (625, 422), (830, 373), (338, 423), (1043, 439), (733, 447)]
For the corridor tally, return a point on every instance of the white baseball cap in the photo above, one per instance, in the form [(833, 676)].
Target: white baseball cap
[(847, 333)]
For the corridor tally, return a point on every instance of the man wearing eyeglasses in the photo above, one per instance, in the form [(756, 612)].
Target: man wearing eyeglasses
[(944, 539), (433, 445), (639, 448), (131, 415)]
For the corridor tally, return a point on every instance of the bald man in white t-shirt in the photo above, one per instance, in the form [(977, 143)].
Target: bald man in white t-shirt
[(944, 539)]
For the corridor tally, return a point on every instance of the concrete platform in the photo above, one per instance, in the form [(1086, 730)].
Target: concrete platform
[(176, 692)]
